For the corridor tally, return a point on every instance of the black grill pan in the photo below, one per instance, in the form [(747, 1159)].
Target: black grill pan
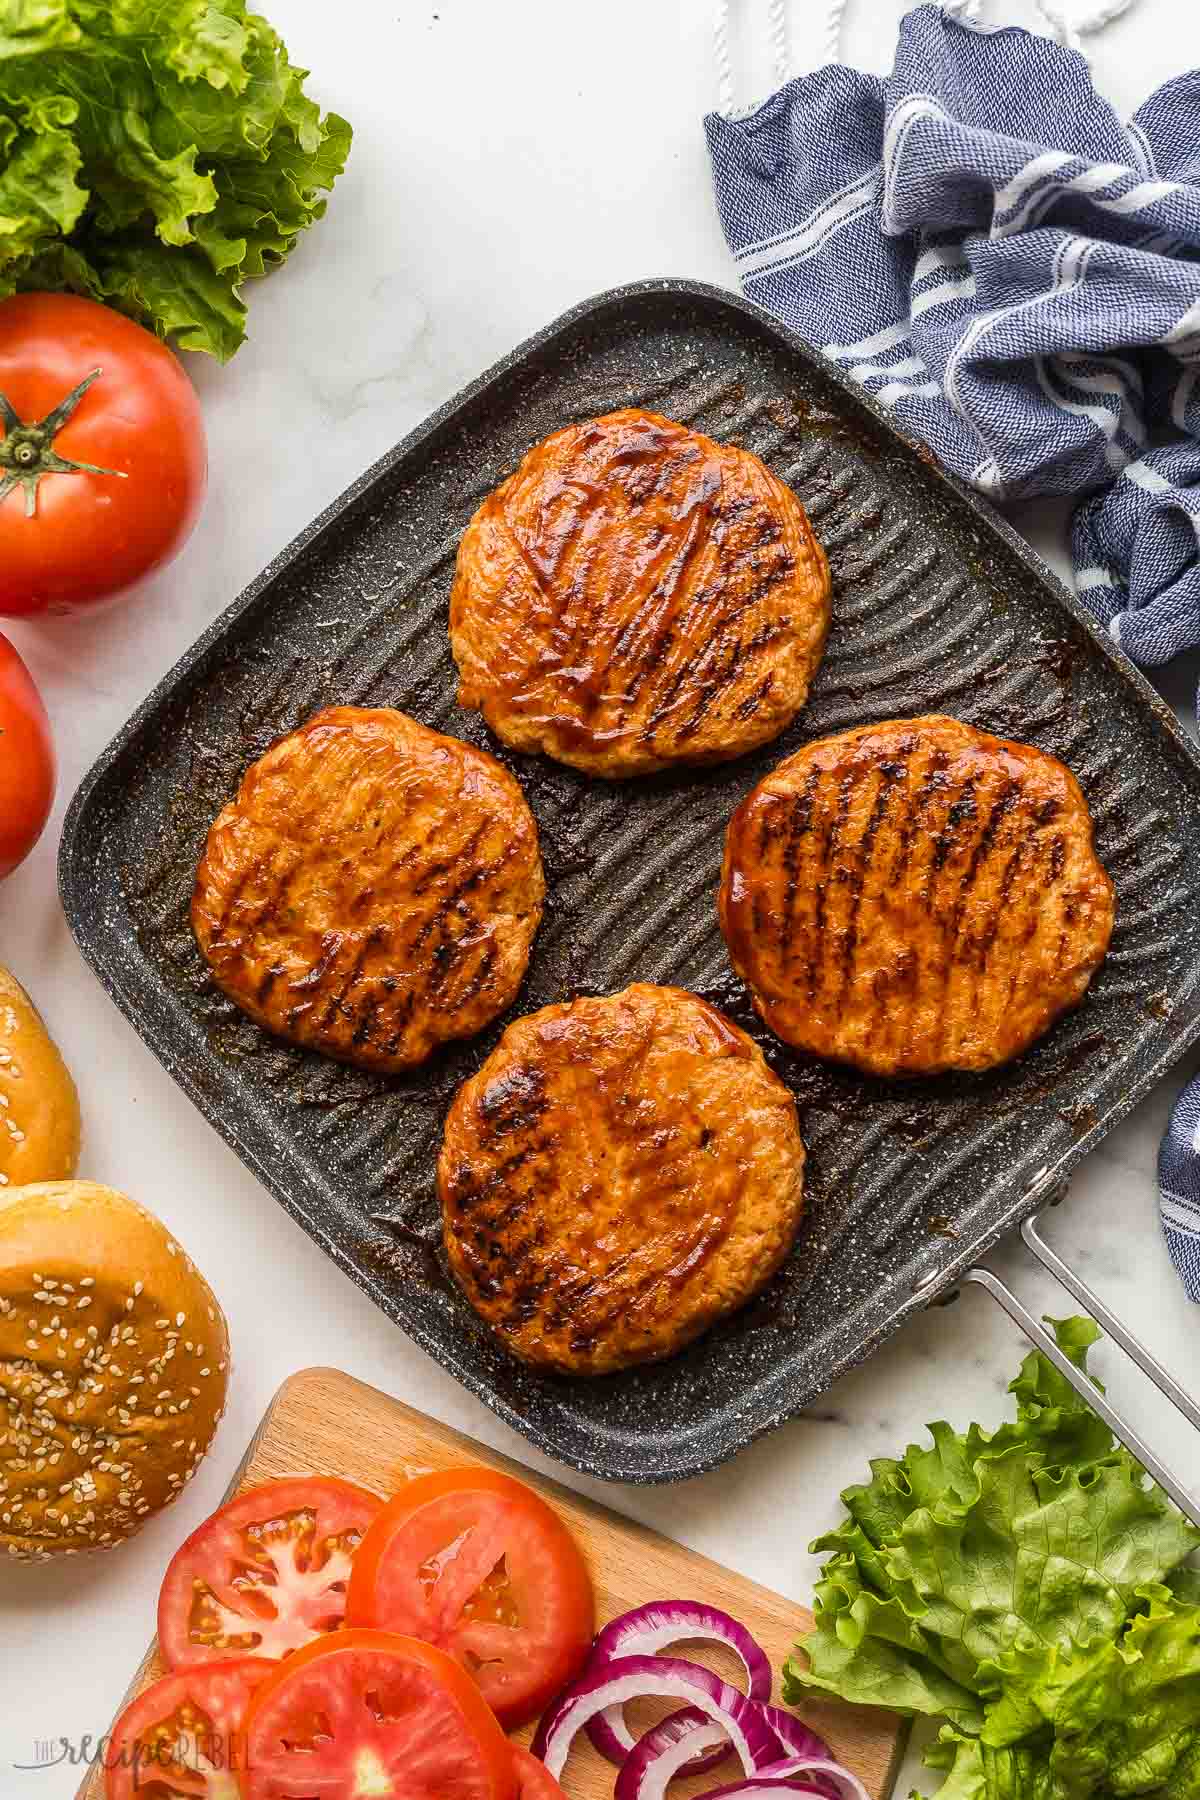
[(938, 606)]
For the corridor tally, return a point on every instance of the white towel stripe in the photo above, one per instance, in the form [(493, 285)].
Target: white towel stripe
[(869, 346), (1034, 171), (1141, 196), (1143, 476), (906, 115), (896, 390), (942, 296), (941, 256), (812, 236), (832, 204), (1179, 1216), (1069, 270), (1103, 418), (912, 365), (1090, 182)]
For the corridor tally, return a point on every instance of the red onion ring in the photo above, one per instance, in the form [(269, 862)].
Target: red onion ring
[(658, 1759), (820, 1770), (647, 1630), (632, 1677), (795, 1736), (760, 1787)]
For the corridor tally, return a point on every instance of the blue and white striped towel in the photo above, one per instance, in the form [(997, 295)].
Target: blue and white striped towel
[(983, 244)]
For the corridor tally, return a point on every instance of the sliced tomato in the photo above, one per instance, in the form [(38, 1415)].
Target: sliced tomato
[(185, 1736), (534, 1780), (363, 1713), (265, 1574), (474, 1562)]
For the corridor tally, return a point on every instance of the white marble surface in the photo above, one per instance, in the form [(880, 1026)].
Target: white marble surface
[(509, 161)]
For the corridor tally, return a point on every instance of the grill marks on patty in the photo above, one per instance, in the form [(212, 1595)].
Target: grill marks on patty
[(915, 896), (621, 1173), (636, 594), (373, 890)]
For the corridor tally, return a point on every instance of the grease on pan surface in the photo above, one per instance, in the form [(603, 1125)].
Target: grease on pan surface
[(637, 595), (936, 609)]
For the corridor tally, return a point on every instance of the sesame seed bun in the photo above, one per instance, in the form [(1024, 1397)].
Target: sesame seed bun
[(39, 1108), (114, 1361)]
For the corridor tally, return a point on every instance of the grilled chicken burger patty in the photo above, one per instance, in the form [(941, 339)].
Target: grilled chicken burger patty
[(373, 890), (914, 897), (636, 595), (620, 1174)]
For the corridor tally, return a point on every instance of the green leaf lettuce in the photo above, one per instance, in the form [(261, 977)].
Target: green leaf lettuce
[(155, 154), (1028, 1585)]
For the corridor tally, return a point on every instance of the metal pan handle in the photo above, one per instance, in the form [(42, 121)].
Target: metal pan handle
[(1038, 1335), (1149, 1365)]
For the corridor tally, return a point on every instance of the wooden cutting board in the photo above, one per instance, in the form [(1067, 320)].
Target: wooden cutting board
[(322, 1422)]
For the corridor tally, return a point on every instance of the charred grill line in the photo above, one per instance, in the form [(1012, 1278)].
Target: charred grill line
[(799, 826), (340, 1003), (889, 775), (829, 840)]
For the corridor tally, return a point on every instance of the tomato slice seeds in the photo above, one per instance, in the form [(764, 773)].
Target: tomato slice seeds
[(369, 1715), (183, 1738), (266, 1574), (476, 1563)]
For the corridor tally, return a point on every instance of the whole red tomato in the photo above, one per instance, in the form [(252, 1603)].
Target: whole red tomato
[(102, 453), (26, 761)]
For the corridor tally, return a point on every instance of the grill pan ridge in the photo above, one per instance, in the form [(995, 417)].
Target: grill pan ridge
[(938, 606)]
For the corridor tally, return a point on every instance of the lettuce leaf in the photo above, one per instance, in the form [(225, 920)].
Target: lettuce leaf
[(1030, 1586), (977, 1772), (156, 154)]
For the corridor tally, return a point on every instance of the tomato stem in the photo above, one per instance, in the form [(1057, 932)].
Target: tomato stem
[(27, 452)]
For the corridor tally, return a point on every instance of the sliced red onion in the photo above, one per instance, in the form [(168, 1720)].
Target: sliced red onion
[(646, 1631), (795, 1735), (660, 1756), (655, 1677), (672, 1730), (759, 1787), (823, 1772)]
